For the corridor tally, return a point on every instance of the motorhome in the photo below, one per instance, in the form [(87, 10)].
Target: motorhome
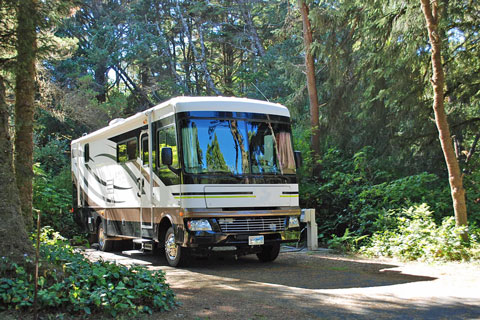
[(192, 175)]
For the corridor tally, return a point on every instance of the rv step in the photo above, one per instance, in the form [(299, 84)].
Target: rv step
[(141, 240), (147, 244)]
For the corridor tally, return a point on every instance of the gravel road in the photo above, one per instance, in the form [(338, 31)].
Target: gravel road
[(314, 285)]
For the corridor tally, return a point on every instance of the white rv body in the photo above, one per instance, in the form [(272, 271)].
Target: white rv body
[(122, 189)]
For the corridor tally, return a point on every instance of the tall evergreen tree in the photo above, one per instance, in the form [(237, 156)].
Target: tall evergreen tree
[(25, 103), (14, 242)]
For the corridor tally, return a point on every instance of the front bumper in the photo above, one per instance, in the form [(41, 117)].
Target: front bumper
[(212, 239), (219, 238)]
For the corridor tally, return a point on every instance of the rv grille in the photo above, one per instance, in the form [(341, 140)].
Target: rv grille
[(254, 224)]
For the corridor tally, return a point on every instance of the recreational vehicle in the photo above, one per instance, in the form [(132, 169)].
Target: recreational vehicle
[(190, 176)]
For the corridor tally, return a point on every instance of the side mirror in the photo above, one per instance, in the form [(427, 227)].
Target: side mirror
[(298, 158), (167, 156)]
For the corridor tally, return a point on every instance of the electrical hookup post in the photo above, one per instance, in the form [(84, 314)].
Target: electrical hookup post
[(308, 216)]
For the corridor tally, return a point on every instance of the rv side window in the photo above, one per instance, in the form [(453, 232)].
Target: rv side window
[(86, 152), (145, 150), (127, 150), (167, 138)]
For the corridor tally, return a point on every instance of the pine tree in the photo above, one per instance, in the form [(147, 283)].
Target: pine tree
[(25, 104)]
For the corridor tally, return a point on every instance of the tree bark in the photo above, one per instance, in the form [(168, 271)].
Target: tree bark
[(311, 82), (431, 13), (25, 105), (14, 242)]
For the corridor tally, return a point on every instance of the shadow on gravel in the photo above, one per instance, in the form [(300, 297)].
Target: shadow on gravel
[(299, 270), (305, 271)]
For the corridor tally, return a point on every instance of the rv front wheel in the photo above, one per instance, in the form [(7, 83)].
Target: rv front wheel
[(175, 254), (269, 252), (103, 243)]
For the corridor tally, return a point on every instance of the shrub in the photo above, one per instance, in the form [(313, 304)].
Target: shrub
[(417, 237), (52, 198), (356, 193), (472, 188), (72, 284)]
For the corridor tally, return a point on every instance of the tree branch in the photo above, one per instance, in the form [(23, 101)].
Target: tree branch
[(472, 149)]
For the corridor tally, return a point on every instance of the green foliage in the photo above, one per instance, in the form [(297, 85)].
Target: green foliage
[(356, 192), (53, 155), (471, 183), (72, 284), (52, 198), (416, 236), (347, 242)]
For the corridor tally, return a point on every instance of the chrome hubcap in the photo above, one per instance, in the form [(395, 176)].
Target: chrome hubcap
[(171, 247)]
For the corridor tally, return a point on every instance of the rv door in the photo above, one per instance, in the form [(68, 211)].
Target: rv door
[(146, 216)]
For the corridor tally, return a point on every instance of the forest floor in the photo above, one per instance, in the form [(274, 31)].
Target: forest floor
[(314, 285)]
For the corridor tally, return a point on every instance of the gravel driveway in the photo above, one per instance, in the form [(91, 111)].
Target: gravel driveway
[(314, 285)]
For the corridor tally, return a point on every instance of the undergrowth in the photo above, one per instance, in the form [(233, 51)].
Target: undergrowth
[(414, 235), (69, 283)]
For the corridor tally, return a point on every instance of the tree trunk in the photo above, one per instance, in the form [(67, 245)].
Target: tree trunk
[(14, 242), (455, 177), (100, 76), (203, 61), (25, 105), (252, 30), (311, 83)]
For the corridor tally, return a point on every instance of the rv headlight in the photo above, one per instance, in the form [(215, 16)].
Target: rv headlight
[(199, 225), (293, 222)]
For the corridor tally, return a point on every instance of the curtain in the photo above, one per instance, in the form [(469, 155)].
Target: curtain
[(285, 152), (190, 155)]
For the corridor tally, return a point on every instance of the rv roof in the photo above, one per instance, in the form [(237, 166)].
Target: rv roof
[(184, 104)]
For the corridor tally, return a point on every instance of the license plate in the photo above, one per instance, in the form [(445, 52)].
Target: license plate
[(255, 240)]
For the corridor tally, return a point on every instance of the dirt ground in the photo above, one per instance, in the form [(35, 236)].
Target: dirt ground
[(314, 285)]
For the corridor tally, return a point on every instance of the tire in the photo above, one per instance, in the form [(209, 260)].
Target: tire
[(176, 255), (103, 243), (92, 238), (269, 253)]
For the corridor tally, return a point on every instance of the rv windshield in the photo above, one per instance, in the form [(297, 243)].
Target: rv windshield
[(236, 147)]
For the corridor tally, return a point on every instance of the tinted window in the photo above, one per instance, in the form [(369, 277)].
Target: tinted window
[(127, 150), (236, 147), (86, 153), (167, 138), (145, 150)]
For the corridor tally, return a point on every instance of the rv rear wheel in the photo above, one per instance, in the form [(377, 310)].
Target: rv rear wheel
[(103, 243), (269, 252), (175, 254)]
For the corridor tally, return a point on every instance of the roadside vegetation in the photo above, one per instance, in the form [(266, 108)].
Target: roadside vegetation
[(362, 206), (71, 285)]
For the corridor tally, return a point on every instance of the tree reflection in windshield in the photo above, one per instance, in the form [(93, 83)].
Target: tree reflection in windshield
[(237, 147)]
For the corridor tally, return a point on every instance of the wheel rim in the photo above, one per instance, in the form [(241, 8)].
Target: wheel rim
[(171, 247)]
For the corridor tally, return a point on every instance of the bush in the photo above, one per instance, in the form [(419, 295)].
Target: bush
[(417, 237), (74, 285), (356, 193), (472, 188), (52, 198)]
